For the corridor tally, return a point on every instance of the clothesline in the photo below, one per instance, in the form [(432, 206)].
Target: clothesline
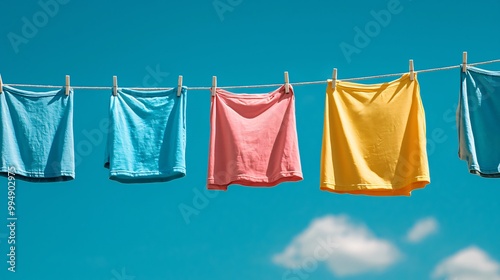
[(261, 86)]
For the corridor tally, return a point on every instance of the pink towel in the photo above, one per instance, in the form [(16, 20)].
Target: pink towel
[(253, 140)]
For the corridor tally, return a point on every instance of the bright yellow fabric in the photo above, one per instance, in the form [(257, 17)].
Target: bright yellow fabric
[(374, 139)]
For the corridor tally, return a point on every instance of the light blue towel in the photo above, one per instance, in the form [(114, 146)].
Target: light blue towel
[(147, 138), (478, 121), (37, 135)]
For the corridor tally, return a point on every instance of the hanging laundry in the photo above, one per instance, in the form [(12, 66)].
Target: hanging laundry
[(253, 139), (478, 116), (147, 138), (37, 135), (374, 139)]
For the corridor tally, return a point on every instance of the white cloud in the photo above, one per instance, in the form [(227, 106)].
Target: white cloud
[(471, 263), (422, 229), (346, 248)]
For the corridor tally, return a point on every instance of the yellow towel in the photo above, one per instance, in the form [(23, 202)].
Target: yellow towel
[(374, 139)]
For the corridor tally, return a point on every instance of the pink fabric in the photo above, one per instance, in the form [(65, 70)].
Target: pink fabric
[(253, 140)]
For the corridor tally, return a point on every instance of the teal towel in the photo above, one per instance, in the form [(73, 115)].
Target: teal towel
[(37, 135), (478, 118), (147, 138)]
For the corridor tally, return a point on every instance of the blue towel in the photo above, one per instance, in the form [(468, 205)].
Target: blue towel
[(478, 119), (147, 138), (37, 135)]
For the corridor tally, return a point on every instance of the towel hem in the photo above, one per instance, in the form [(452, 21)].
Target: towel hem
[(405, 189), (254, 181)]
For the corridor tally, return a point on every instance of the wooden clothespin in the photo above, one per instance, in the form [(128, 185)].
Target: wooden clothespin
[(115, 85), (334, 78), (214, 85), (287, 83), (412, 70), (67, 85), (1, 85), (179, 86), (464, 62)]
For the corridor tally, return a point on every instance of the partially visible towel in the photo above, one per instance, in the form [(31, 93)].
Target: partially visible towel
[(374, 139), (253, 139), (478, 118), (37, 135), (147, 138)]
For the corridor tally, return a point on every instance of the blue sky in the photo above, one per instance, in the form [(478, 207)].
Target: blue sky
[(94, 228)]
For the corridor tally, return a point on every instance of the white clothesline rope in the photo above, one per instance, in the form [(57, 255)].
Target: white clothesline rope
[(260, 86)]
